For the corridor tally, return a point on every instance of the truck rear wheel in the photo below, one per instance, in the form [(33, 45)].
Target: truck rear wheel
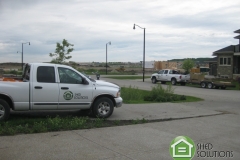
[(4, 110), (223, 87), (173, 81), (103, 107)]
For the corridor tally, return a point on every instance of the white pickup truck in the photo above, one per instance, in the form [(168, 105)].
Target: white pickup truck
[(57, 87), (169, 75)]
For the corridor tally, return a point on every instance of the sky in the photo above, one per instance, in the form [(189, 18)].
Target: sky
[(174, 29)]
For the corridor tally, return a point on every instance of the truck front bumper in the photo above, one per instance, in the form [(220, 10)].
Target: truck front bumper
[(118, 101)]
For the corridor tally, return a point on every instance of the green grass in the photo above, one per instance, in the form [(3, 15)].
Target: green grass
[(127, 77), (25, 125), (133, 95)]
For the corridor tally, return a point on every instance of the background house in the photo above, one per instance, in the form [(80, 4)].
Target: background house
[(228, 61)]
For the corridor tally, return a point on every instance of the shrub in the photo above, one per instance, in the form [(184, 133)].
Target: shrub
[(159, 94)]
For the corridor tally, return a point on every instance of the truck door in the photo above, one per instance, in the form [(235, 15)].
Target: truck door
[(160, 74), (169, 75), (44, 89), (73, 93), (165, 75)]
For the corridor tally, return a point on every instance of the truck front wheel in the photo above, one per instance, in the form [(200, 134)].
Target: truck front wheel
[(103, 107), (154, 80), (4, 110)]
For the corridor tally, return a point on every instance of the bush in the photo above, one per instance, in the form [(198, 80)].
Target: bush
[(159, 94), (132, 94)]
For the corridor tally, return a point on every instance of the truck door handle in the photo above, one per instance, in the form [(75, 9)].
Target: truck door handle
[(64, 88), (38, 87)]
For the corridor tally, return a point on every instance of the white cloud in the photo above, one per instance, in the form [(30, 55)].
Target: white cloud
[(174, 29)]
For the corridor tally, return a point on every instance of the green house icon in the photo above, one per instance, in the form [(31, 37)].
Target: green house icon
[(182, 149)]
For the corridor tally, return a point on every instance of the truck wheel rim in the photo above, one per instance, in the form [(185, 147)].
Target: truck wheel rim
[(153, 80), (103, 108), (2, 111), (209, 85)]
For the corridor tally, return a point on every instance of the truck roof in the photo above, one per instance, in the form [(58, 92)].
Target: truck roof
[(47, 64)]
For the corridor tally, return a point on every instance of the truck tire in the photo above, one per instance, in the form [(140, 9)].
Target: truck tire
[(154, 80), (173, 81), (4, 110), (103, 107), (223, 87), (210, 85), (203, 84)]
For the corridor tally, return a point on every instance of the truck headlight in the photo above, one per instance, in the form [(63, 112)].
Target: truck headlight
[(118, 93)]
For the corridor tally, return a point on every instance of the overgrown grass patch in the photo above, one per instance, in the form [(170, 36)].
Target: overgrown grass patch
[(25, 125), (133, 95)]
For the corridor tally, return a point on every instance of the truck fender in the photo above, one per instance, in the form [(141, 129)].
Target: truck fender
[(8, 99)]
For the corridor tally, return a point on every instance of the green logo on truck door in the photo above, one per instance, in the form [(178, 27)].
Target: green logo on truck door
[(68, 95)]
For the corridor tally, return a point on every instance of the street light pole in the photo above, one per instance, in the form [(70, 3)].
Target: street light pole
[(143, 48), (106, 54), (22, 52)]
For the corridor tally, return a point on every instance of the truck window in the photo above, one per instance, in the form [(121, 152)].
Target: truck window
[(175, 72), (46, 74), (166, 72), (69, 76), (26, 74), (161, 72)]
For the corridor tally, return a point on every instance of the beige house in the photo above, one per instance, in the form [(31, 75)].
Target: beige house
[(159, 65)]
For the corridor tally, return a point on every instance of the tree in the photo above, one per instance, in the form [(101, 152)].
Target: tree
[(62, 52), (188, 64)]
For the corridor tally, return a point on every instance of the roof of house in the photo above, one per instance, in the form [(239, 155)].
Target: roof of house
[(228, 49), (237, 37), (237, 31)]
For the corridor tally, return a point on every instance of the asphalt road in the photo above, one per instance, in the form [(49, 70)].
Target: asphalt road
[(149, 141)]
